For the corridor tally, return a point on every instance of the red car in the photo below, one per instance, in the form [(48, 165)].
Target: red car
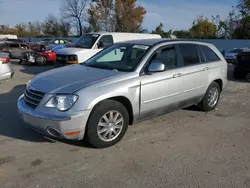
[(48, 55)]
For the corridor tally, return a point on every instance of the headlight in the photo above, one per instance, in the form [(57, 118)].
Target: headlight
[(72, 59), (62, 102)]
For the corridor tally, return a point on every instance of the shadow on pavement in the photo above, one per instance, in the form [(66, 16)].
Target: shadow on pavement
[(34, 69), (12, 126), (31, 69), (10, 123)]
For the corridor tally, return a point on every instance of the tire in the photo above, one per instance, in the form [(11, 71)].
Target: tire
[(204, 104), (41, 60), (239, 74), (96, 139)]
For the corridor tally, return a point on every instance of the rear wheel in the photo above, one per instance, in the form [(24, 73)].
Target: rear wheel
[(239, 74), (211, 98), (107, 124)]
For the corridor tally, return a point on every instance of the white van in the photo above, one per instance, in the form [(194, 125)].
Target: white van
[(8, 36), (91, 43)]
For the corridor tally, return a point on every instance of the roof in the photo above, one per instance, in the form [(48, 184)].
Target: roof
[(151, 42), (112, 33)]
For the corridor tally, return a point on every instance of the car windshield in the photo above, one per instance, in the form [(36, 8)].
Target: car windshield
[(50, 47), (86, 41), (57, 48), (235, 50), (120, 57)]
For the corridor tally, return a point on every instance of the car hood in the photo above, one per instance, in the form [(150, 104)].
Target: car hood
[(70, 78), (71, 51)]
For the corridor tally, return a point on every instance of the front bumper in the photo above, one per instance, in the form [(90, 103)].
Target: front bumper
[(61, 127)]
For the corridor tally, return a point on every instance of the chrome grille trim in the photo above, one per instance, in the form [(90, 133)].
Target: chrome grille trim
[(32, 97)]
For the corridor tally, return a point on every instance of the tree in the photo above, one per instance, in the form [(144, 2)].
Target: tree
[(54, 27), (102, 15), (75, 10), (226, 27), (202, 28), (243, 31), (182, 34), (159, 30), (129, 16), (116, 16)]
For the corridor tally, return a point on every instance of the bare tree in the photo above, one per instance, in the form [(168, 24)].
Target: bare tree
[(75, 10)]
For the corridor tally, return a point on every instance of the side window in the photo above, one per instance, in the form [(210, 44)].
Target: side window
[(190, 54), (168, 56), (209, 54), (105, 41)]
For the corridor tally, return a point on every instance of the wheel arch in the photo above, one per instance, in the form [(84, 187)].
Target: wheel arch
[(124, 101), (220, 82)]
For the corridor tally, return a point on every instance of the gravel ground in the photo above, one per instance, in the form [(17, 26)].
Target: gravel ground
[(186, 148)]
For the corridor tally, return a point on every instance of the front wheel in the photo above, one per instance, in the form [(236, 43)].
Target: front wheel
[(41, 60), (211, 98), (107, 124)]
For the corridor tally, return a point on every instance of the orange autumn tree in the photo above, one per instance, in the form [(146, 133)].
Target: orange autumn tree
[(116, 16)]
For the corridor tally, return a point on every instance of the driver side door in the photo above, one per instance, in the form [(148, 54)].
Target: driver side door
[(161, 91)]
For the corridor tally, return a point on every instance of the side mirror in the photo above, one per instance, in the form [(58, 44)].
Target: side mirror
[(156, 66), (100, 44)]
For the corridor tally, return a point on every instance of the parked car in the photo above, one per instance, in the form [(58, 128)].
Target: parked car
[(14, 49), (54, 41), (90, 44), (242, 67), (49, 54), (231, 55), (36, 46), (121, 85), (222, 51), (6, 70)]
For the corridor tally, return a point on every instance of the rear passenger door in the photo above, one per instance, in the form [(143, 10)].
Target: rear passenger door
[(194, 73), (212, 63)]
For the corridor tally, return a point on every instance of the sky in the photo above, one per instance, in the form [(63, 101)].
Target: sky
[(174, 14)]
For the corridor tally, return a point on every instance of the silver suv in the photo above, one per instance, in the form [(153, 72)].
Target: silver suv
[(123, 84)]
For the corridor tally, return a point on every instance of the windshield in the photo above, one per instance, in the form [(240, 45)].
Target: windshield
[(121, 57), (235, 51), (50, 47), (56, 48), (86, 41)]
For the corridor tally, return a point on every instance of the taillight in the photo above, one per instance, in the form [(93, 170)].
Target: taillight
[(5, 60)]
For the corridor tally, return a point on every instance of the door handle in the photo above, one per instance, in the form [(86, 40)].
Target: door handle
[(206, 68), (177, 75)]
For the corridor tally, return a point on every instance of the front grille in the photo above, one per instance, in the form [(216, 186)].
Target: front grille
[(32, 97), (61, 59)]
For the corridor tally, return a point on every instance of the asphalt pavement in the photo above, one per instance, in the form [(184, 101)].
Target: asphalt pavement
[(187, 148)]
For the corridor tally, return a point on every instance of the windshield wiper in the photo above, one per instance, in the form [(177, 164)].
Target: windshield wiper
[(101, 66)]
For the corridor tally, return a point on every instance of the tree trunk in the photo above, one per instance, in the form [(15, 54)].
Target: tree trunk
[(80, 26)]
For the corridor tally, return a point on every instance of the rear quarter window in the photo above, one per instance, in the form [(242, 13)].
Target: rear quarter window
[(209, 54)]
